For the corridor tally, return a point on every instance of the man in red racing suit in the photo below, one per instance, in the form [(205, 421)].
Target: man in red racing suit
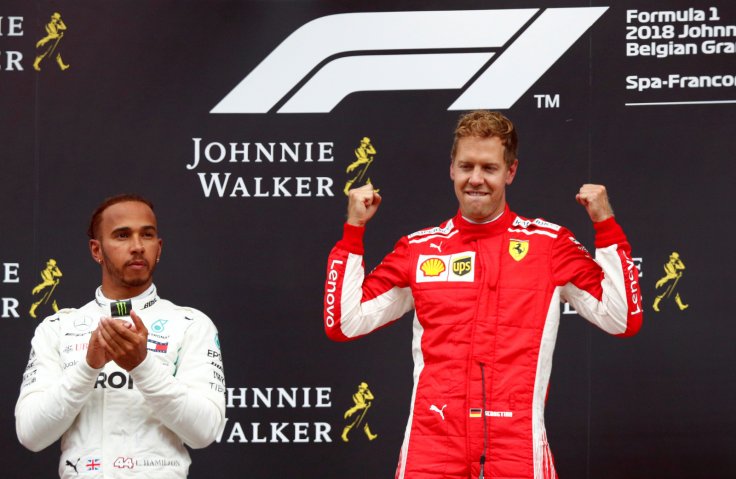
[(486, 287)]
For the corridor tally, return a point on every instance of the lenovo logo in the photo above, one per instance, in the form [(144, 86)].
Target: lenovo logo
[(503, 52)]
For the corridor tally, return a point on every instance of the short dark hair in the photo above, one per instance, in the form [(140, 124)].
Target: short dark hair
[(487, 124), (94, 222)]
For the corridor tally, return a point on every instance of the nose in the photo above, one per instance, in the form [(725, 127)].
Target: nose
[(137, 243), (476, 177)]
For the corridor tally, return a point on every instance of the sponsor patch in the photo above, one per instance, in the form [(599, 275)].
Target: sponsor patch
[(83, 324), (579, 245), (478, 412), (518, 248), (499, 414), (458, 267), (157, 346), (432, 267), (159, 325), (462, 266), (121, 308), (433, 231), (536, 222)]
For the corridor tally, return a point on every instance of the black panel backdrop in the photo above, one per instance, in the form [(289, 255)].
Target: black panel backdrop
[(143, 78)]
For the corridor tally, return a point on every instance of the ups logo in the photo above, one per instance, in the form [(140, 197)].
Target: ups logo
[(462, 266)]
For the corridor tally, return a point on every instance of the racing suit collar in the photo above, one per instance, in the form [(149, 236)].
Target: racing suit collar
[(471, 231), (144, 300)]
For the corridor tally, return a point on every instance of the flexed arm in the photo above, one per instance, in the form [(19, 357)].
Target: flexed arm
[(606, 290), (353, 304)]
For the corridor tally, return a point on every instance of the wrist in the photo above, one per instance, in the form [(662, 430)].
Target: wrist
[(95, 364), (356, 223)]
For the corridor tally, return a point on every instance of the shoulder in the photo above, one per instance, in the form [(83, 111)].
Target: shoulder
[(64, 320), (446, 229), (193, 326), (66, 314), (536, 226), (185, 313)]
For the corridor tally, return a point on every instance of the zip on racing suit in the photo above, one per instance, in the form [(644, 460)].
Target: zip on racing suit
[(119, 424), (486, 300)]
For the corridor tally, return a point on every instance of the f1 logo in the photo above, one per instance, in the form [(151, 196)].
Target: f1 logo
[(346, 53)]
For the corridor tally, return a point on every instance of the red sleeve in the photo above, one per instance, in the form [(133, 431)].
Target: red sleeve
[(355, 305), (604, 290)]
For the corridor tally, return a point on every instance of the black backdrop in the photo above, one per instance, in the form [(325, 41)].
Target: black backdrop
[(142, 81)]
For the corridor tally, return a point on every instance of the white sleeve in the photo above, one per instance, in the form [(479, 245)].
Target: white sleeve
[(50, 398), (191, 402)]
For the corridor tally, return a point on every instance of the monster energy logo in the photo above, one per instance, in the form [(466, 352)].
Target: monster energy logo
[(121, 308)]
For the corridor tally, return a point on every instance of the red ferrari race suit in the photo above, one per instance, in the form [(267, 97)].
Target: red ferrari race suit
[(486, 300)]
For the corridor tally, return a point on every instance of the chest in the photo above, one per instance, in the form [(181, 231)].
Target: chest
[(502, 261), (165, 337)]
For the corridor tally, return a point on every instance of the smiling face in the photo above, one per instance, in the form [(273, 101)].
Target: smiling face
[(128, 247), (480, 174)]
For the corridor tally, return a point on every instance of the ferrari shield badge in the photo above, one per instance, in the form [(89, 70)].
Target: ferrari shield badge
[(518, 249)]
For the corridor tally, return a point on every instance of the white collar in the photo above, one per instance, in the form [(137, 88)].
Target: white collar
[(144, 300)]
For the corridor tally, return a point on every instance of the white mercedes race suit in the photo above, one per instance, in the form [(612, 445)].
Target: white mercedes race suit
[(119, 424)]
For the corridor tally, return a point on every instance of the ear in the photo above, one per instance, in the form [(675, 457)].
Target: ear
[(160, 249), (452, 171), (512, 172), (95, 249)]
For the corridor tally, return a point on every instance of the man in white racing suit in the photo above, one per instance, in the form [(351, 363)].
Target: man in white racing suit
[(129, 378)]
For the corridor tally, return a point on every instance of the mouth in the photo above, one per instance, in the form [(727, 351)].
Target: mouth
[(137, 264), (476, 194)]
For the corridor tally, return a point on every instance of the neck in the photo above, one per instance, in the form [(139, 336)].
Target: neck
[(115, 292), (138, 303), (482, 222)]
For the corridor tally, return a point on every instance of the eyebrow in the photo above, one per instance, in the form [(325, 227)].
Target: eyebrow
[(128, 228)]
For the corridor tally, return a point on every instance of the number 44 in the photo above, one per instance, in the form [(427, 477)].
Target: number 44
[(123, 462)]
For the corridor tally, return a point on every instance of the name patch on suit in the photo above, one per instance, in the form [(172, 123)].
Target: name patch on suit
[(454, 267)]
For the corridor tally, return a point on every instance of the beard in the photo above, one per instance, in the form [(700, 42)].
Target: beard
[(121, 275)]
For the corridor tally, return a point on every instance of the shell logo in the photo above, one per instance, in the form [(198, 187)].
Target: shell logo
[(433, 267)]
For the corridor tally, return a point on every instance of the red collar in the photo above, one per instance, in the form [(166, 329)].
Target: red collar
[(471, 231)]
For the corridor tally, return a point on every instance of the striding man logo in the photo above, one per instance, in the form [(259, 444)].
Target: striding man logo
[(50, 45), (356, 415), (363, 160), (44, 291), (668, 286)]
